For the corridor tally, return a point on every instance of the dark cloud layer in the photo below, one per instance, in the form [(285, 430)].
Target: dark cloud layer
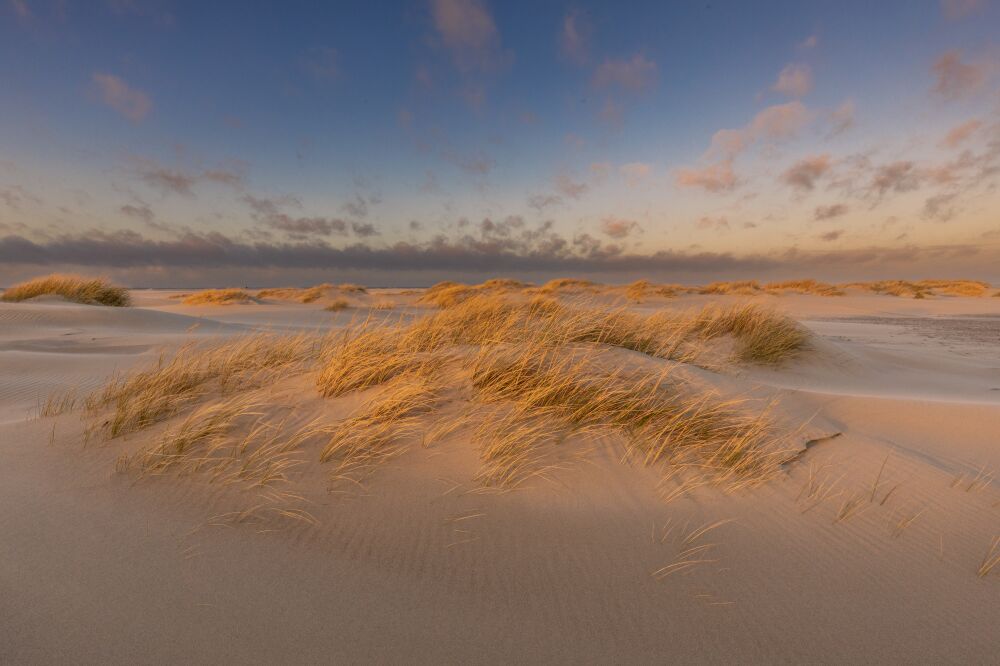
[(506, 247)]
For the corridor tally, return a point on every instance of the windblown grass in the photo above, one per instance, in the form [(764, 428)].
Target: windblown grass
[(536, 380), (302, 295), (450, 294), (808, 286), (218, 297), (740, 288), (640, 290), (337, 305), (310, 294), (89, 291), (924, 288), (141, 398)]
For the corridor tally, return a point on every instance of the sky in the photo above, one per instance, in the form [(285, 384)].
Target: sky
[(170, 143)]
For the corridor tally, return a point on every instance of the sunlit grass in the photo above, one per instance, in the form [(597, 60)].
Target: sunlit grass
[(89, 291)]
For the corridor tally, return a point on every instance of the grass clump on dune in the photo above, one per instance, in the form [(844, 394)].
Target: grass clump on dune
[(525, 376), (740, 288), (449, 294), (139, 399), (808, 286), (642, 289), (337, 305), (218, 297), (89, 291), (924, 288)]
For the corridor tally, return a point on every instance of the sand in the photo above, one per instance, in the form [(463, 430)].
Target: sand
[(97, 567)]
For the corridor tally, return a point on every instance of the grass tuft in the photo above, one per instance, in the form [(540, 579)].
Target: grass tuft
[(218, 297), (89, 291)]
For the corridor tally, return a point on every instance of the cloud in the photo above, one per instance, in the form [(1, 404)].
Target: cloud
[(133, 104), (15, 196), (716, 223), (619, 228), (542, 201), (958, 9), (901, 176), (634, 75), (940, 207), (574, 38), (831, 236), (523, 251), (635, 172), (467, 30), (810, 42), (477, 165), (780, 121), (795, 80), (611, 113), (20, 8), (566, 186), (271, 213), (169, 180), (842, 118), (364, 229), (954, 78), (713, 178), (830, 212), (960, 133), (142, 212), (301, 227), (804, 173)]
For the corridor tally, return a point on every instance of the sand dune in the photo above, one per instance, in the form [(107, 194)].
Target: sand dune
[(866, 548)]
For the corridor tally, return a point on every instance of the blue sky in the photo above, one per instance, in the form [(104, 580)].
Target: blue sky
[(195, 143)]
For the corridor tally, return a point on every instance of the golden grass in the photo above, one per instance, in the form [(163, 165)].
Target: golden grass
[(138, 399), (89, 291), (640, 290), (808, 286), (991, 560), (302, 295), (218, 297), (529, 375), (740, 288), (310, 294), (924, 288), (567, 284), (449, 294), (383, 304), (337, 305)]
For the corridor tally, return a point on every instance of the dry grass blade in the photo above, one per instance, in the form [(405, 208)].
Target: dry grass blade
[(991, 560)]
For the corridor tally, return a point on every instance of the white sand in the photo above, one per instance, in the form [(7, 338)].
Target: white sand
[(97, 569)]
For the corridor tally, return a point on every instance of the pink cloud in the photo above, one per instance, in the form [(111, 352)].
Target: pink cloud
[(955, 78), (717, 223), (810, 42), (780, 121), (960, 133), (829, 212), (842, 118), (20, 8), (795, 80), (114, 92), (958, 9), (619, 228), (713, 178), (636, 74), (574, 38), (467, 29), (804, 173)]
